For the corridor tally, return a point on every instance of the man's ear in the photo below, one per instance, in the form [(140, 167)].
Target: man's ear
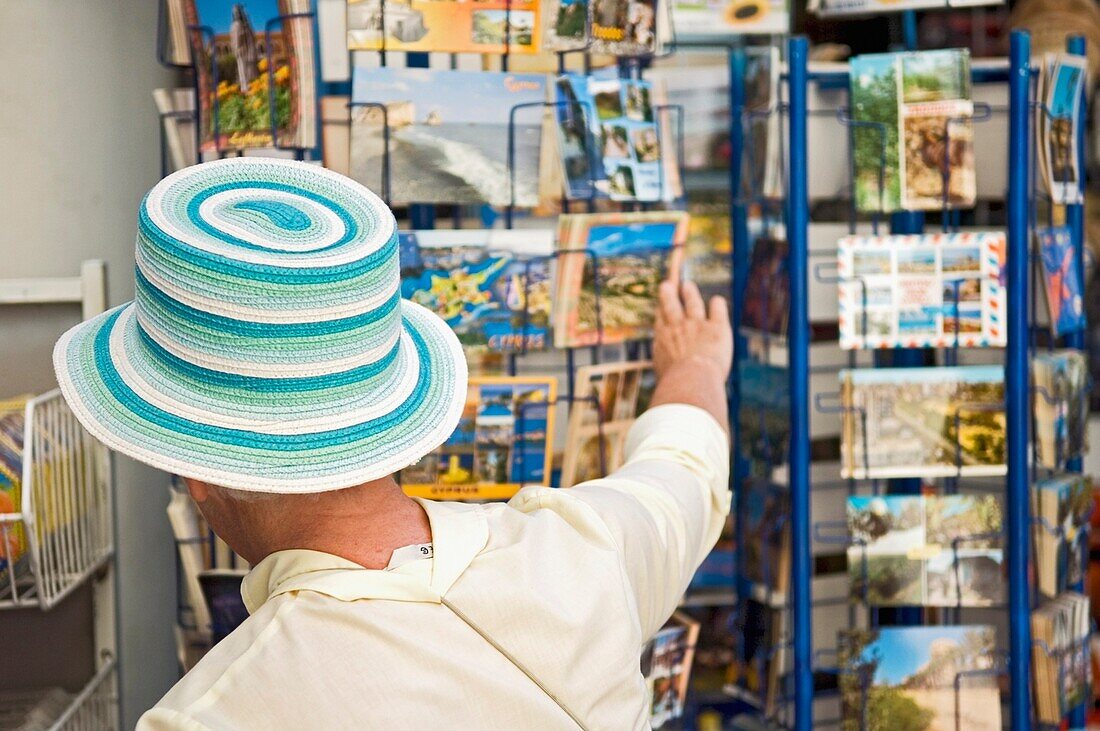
[(199, 490)]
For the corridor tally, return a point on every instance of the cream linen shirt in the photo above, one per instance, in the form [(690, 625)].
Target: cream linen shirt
[(530, 615)]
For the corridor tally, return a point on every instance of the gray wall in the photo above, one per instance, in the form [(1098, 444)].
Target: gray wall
[(78, 149)]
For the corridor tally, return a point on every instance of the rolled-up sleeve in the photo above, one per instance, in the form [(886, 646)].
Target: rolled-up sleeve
[(666, 506)]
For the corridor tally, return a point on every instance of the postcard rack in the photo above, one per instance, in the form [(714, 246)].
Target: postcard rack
[(1023, 340), (62, 534)]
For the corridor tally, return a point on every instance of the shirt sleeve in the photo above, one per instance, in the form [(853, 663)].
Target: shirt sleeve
[(666, 506)]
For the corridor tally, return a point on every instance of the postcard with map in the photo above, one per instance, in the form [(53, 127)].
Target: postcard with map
[(933, 290), (923, 422), (609, 266), (607, 400), (246, 59), (448, 134), (911, 675), (504, 441), (494, 298), (1061, 280), (912, 550), (487, 26)]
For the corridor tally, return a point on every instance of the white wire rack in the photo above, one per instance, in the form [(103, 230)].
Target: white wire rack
[(95, 708), (61, 533)]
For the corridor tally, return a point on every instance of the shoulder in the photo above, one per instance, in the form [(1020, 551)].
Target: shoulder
[(204, 686)]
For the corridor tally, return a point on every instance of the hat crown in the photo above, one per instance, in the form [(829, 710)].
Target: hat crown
[(267, 268)]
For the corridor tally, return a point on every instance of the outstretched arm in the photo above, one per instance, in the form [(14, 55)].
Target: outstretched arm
[(666, 506)]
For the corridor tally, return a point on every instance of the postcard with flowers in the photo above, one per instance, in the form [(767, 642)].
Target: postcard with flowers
[(256, 74)]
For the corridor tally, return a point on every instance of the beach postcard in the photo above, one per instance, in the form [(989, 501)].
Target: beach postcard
[(448, 134)]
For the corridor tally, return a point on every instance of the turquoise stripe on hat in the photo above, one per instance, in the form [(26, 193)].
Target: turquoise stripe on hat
[(285, 273), (257, 383), (249, 439), (248, 328), (351, 227)]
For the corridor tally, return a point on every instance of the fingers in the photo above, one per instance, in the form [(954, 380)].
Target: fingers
[(719, 311), (670, 307), (693, 301)]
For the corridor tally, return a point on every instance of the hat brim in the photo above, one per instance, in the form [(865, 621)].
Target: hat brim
[(276, 435)]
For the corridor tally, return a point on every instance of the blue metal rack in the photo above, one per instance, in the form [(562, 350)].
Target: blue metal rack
[(1018, 533)]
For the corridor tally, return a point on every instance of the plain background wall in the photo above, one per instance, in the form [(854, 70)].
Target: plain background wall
[(78, 150)]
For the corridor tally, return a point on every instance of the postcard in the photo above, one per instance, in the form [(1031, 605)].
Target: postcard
[(611, 139), (912, 138), (761, 655), (1064, 77), (768, 544), (503, 442), (565, 25), (494, 299), (707, 254), (923, 422), (767, 291), (911, 550), (487, 26), (606, 401), (666, 667), (1061, 656), (933, 290), (765, 414), (448, 134), (761, 157), (1060, 381), (608, 270), (261, 60), (1061, 280), (702, 20), (916, 670), (1062, 507), (625, 27)]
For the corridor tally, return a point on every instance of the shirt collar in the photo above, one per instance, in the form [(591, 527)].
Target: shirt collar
[(459, 532)]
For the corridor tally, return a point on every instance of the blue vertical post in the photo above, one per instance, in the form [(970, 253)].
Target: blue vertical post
[(1016, 381), (798, 344), (909, 29), (739, 265), (1075, 220)]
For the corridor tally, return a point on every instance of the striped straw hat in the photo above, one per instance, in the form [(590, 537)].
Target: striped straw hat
[(268, 347)]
